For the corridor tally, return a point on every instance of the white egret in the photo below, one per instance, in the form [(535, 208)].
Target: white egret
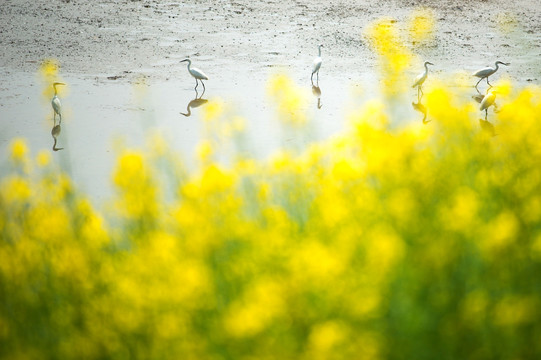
[(316, 65), (486, 72), (420, 79), (196, 73), (57, 106)]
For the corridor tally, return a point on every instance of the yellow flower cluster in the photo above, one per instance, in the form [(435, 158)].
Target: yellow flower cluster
[(388, 241)]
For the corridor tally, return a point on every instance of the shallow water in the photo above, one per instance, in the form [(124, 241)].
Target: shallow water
[(101, 116)]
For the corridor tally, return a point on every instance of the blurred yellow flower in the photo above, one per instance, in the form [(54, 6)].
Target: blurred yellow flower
[(421, 25), (205, 151), (44, 158), (213, 110), (16, 189), (19, 150), (291, 100)]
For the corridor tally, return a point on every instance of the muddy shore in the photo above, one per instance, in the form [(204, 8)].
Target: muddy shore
[(124, 39)]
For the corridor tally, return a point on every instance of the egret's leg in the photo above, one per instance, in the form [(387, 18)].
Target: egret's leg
[(486, 114), (488, 82), (196, 84), (203, 85), (481, 79), (312, 78), (317, 81)]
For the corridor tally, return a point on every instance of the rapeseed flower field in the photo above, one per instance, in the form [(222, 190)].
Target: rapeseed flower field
[(390, 241)]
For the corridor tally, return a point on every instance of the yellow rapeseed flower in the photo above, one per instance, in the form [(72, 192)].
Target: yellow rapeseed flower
[(44, 158), (16, 189), (19, 150), (421, 26)]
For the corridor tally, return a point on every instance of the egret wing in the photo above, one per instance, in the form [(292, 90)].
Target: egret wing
[(57, 106), (484, 72), (419, 79), (198, 74), (317, 64)]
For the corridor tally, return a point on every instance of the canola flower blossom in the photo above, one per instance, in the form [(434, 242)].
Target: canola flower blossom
[(386, 242)]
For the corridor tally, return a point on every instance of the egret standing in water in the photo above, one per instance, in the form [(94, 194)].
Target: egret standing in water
[(57, 106), (420, 79), (196, 73), (316, 65), (486, 72)]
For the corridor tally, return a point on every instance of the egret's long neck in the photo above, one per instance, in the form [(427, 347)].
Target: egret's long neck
[(319, 50), (55, 91), (189, 64), (496, 68), (426, 68)]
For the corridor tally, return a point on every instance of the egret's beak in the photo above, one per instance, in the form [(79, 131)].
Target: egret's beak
[(429, 63), (183, 60), (507, 64), (59, 83)]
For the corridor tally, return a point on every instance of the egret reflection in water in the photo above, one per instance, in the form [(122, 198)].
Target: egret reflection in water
[(196, 102), (488, 127), (422, 109), (316, 90), (55, 132)]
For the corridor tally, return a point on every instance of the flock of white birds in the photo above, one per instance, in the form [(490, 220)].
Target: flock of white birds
[(487, 101)]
